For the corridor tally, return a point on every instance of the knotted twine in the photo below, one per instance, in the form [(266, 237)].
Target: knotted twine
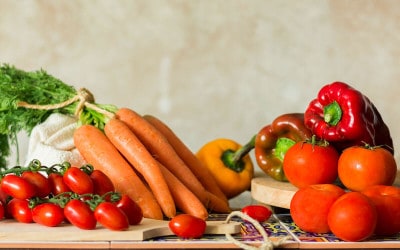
[(83, 95), (267, 243)]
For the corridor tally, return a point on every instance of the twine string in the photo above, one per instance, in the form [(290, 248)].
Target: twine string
[(84, 98), (267, 243)]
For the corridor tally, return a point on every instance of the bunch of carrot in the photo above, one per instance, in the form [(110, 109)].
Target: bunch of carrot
[(146, 160)]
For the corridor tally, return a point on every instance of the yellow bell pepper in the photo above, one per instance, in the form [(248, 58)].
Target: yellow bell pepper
[(229, 163)]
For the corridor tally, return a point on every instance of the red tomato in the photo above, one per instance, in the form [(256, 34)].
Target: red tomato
[(309, 206), (78, 181), (111, 217), (258, 212), (2, 210), (352, 217), (387, 202), (41, 183), (19, 210), (187, 226), (17, 187), (131, 209), (78, 213), (57, 184), (307, 164), (48, 214), (361, 167), (101, 182)]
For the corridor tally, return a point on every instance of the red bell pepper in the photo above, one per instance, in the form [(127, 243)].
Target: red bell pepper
[(345, 117)]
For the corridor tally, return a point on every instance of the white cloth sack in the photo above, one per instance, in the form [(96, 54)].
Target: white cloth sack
[(52, 142)]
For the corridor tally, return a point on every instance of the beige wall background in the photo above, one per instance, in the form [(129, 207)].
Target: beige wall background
[(211, 68)]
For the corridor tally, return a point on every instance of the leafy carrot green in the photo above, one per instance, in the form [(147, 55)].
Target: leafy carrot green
[(28, 98)]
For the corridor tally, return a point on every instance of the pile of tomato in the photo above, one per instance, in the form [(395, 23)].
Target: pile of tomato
[(81, 196), (350, 193)]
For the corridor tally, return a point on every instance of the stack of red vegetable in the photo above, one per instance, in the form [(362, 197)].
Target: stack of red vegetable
[(64, 193)]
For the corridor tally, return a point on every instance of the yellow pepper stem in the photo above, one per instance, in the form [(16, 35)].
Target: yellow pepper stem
[(233, 159)]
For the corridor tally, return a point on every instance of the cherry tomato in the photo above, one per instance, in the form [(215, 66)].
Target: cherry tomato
[(131, 209), (387, 202), (78, 181), (48, 214), (352, 217), (258, 212), (2, 210), (20, 210), (79, 214), (41, 183), (57, 184), (101, 182), (111, 217), (17, 187), (307, 163), (360, 167), (187, 226)]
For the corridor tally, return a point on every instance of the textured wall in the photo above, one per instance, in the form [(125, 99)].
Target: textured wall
[(210, 68)]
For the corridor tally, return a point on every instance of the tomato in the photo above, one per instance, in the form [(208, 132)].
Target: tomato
[(187, 226), (41, 183), (352, 217), (131, 209), (48, 214), (360, 167), (258, 212), (79, 214), (2, 210), (387, 202), (78, 181), (57, 184), (310, 205), (307, 163), (101, 182), (17, 187), (19, 210), (111, 217)]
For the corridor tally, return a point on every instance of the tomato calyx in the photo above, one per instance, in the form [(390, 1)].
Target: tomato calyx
[(314, 141)]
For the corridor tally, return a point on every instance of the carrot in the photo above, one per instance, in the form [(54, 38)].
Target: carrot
[(97, 149), (196, 166), (139, 157), (185, 200), (162, 150), (217, 205)]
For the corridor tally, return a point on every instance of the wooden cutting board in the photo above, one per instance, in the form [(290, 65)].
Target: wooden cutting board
[(11, 230), (279, 194)]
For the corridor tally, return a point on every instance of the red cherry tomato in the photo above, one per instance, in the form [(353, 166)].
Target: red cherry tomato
[(57, 184), (19, 210), (2, 210), (17, 187), (41, 183), (79, 214), (78, 181), (131, 209), (352, 217), (48, 214), (101, 182), (307, 164), (187, 226), (258, 212), (111, 217)]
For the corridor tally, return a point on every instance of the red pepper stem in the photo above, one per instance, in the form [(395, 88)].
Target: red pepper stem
[(233, 159), (332, 113)]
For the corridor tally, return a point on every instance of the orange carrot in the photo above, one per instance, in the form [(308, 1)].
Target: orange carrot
[(218, 205), (185, 200), (139, 157), (196, 166), (97, 150), (162, 150)]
